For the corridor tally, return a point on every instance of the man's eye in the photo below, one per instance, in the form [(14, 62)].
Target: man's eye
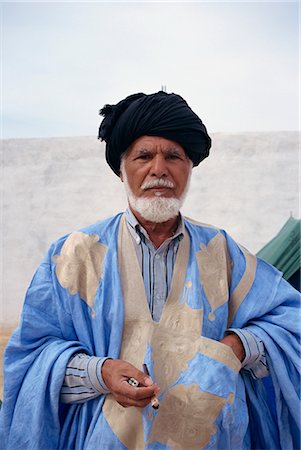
[(144, 156), (173, 156)]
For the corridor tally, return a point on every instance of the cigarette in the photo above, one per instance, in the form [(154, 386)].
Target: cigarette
[(154, 401)]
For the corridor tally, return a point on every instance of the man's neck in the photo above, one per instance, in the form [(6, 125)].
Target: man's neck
[(158, 232)]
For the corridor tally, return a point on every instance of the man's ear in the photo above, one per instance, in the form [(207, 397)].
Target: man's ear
[(121, 176)]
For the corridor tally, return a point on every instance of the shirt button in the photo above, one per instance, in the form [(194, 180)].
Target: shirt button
[(158, 256)]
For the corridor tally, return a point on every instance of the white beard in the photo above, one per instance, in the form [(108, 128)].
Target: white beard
[(155, 209)]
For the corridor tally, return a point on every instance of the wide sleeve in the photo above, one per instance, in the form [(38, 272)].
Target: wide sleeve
[(266, 305), (34, 365), (279, 330)]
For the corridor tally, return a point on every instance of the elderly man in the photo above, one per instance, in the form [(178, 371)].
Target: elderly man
[(150, 330)]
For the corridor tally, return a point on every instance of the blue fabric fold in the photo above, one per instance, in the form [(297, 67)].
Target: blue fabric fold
[(55, 324)]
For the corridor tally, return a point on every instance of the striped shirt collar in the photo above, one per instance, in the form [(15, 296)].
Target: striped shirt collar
[(137, 230)]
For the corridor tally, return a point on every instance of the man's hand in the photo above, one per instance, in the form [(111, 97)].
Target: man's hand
[(115, 373), (233, 341)]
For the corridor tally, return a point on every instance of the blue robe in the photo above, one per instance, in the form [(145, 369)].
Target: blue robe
[(88, 296)]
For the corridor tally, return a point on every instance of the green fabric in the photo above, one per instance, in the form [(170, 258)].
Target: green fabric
[(283, 251)]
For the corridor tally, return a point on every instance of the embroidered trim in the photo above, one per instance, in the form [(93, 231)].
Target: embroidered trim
[(243, 286), (170, 345)]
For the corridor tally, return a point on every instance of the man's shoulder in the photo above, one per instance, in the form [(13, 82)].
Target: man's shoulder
[(204, 233), (101, 232), (102, 227), (197, 224)]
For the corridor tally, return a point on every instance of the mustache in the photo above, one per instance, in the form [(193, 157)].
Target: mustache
[(157, 182)]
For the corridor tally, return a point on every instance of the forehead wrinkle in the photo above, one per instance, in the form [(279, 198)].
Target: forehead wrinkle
[(143, 150)]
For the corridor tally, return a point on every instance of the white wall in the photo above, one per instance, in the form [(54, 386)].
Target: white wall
[(248, 186)]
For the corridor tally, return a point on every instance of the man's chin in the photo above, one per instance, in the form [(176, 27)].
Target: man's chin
[(156, 209)]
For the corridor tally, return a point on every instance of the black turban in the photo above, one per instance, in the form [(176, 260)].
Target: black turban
[(161, 114)]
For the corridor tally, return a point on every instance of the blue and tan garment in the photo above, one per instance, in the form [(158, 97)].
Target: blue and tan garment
[(88, 295)]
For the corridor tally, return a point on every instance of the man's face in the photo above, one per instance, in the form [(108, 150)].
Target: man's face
[(152, 158)]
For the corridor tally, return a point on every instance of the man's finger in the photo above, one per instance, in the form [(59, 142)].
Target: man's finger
[(138, 375), (127, 402), (138, 393)]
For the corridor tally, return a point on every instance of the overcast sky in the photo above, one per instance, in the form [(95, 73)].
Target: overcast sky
[(236, 63)]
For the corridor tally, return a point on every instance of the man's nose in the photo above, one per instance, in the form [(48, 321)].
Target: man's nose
[(159, 166)]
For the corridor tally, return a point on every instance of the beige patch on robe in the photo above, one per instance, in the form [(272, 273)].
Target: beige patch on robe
[(215, 271), (79, 266), (175, 341), (180, 426)]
